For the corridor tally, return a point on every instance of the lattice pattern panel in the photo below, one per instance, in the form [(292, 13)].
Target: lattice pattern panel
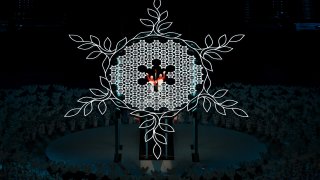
[(126, 75)]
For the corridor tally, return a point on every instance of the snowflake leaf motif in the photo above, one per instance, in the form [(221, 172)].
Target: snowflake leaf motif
[(85, 99), (171, 34), (152, 13), (207, 64), (222, 40), (148, 135), (207, 83), (86, 46), (206, 105), (160, 138), (142, 34), (76, 38), (97, 92), (147, 123), (239, 112), (220, 109), (95, 40), (225, 49), (229, 103), (93, 55), (211, 56), (166, 127), (107, 44), (208, 40), (119, 103), (106, 64), (102, 107), (87, 109), (193, 104), (164, 15), (72, 112), (147, 22), (236, 38), (157, 4), (193, 45), (165, 26), (121, 43), (141, 114), (157, 150), (220, 93), (105, 82)]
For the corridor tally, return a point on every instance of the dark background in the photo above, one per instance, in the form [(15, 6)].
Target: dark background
[(35, 47)]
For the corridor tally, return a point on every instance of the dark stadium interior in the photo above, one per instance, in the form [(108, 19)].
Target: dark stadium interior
[(274, 69)]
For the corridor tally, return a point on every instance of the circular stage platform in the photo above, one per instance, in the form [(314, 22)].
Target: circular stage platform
[(219, 148)]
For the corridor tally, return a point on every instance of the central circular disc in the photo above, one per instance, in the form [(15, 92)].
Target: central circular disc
[(156, 73)]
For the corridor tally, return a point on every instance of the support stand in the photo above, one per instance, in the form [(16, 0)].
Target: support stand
[(117, 155), (194, 146), (166, 147), (147, 148)]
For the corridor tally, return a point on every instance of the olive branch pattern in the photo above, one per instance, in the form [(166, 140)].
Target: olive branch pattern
[(153, 120)]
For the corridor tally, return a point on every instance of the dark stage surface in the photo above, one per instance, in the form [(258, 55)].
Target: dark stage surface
[(219, 148)]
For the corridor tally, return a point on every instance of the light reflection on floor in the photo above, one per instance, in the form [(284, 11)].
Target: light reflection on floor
[(218, 148)]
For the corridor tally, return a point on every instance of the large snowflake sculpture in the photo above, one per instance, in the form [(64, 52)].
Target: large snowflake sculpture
[(190, 67), (126, 75)]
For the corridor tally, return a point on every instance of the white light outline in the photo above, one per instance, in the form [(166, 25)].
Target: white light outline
[(158, 27)]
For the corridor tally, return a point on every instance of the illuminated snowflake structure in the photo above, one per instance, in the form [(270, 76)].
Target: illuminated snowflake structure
[(192, 65), (125, 75)]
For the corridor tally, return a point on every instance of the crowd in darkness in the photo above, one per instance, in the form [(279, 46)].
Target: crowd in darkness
[(291, 137)]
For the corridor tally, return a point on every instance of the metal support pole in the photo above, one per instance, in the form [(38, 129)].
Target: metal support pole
[(196, 136), (147, 155), (117, 156), (166, 135), (195, 155)]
